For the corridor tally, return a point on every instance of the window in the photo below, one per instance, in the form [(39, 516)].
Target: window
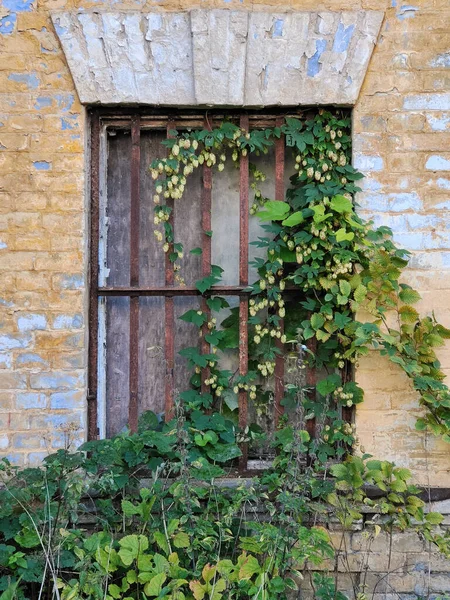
[(135, 296)]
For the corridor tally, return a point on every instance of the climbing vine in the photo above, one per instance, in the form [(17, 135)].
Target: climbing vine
[(141, 515), (325, 267)]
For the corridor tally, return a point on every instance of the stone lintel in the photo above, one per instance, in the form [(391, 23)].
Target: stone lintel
[(218, 57)]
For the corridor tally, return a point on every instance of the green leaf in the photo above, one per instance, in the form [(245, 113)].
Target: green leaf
[(131, 546), (343, 236), (161, 540), (217, 303), (317, 320), (322, 336), (360, 293), (408, 314), (194, 316), (10, 591), (345, 287), (274, 210), (408, 295), (329, 384), (434, 518), (129, 509), (341, 204), (249, 567), (319, 213), (224, 452), (154, 586), (181, 540), (196, 251), (230, 399), (294, 219), (114, 590)]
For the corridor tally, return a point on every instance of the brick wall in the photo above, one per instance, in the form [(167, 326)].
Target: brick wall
[(402, 135)]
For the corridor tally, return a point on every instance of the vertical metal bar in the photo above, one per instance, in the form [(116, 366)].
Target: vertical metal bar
[(133, 409), (279, 359), (169, 319), (243, 280), (206, 201), (93, 277)]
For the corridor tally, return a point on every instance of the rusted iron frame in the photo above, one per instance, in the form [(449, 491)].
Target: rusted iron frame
[(93, 277), (279, 359), (133, 407), (169, 315), (206, 203), (243, 281), (111, 115), (229, 290)]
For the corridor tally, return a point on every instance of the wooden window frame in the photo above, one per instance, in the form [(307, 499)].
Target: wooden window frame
[(137, 119)]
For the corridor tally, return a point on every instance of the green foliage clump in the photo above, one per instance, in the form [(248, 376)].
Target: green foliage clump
[(147, 514), (143, 516)]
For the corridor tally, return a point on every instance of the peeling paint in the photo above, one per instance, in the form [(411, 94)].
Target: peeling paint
[(7, 24), (368, 163), (277, 30), (18, 5), (66, 123), (437, 163), (30, 358), (29, 79), (406, 11), (5, 360), (31, 322), (438, 123), (314, 64), (68, 322), (9, 342), (442, 183), (441, 61), (65, 101), (29, 401), (42, 165), (43, 102), (58, 28), (71, 282), (342, 38), (427, 102)]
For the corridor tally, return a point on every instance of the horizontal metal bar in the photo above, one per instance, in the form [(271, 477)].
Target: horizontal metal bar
[(171, 291)]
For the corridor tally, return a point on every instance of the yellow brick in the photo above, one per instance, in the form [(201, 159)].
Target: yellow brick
[(17, 261), (14, 141), (37, 241), (30, 280), (56, 261), (27, 201)]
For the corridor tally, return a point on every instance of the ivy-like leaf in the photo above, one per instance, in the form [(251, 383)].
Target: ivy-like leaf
[(341, 204), (343, 236), (294, 219), (154, 586), (274, 210)]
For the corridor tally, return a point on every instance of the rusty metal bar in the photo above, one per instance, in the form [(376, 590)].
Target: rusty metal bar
[(347, 375), (133, 408), (243, 281), (169, 317), (93, 276), (229, 290), (279, 359), (206, 202)]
